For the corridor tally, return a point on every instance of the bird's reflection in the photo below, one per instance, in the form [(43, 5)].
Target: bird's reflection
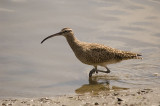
[(98, 84)]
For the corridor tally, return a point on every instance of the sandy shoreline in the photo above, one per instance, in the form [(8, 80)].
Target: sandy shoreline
[(131, 97)]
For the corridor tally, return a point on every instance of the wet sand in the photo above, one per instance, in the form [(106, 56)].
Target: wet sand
[(130, 97)]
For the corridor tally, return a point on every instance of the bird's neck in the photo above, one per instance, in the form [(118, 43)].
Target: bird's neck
[(73, 41)]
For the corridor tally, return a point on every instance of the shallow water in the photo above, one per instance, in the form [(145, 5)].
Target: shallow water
[(29, 69)]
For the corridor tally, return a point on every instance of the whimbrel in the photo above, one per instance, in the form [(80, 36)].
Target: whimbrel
[(94, 54)]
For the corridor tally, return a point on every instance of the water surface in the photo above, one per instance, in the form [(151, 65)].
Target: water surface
[(29, 69)]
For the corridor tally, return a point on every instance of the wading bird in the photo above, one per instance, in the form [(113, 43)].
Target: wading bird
[(94, 54)]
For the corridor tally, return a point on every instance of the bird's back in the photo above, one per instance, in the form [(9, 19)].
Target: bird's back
[(92, 53)]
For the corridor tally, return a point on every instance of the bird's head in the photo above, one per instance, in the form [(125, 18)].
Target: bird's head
[(65, 32)]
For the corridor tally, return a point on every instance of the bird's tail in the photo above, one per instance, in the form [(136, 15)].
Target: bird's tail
[(125, 55), (130, 55), (138, 56)]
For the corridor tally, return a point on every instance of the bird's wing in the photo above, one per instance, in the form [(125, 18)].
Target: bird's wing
[(100, 53)]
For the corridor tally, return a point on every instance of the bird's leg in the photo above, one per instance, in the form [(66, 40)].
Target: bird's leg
[(102, 71), (108, 71), (93, 71), (96, 69)]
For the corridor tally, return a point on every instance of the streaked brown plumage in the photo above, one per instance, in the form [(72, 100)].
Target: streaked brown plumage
[(93, 53)]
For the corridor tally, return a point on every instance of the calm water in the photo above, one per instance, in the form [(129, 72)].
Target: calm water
[(29, 69)]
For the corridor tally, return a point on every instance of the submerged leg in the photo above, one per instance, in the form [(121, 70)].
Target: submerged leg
[(91, 72)]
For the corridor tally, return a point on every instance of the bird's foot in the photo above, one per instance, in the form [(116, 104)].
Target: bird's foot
[(108, 71)]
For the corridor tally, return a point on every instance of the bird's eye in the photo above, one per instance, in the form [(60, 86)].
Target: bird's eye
[(67, 31), (64, 31)]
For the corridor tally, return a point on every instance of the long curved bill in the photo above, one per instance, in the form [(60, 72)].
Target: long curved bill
[(59, 33)]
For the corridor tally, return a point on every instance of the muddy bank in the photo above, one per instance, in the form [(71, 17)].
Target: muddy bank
[(133, 97)]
